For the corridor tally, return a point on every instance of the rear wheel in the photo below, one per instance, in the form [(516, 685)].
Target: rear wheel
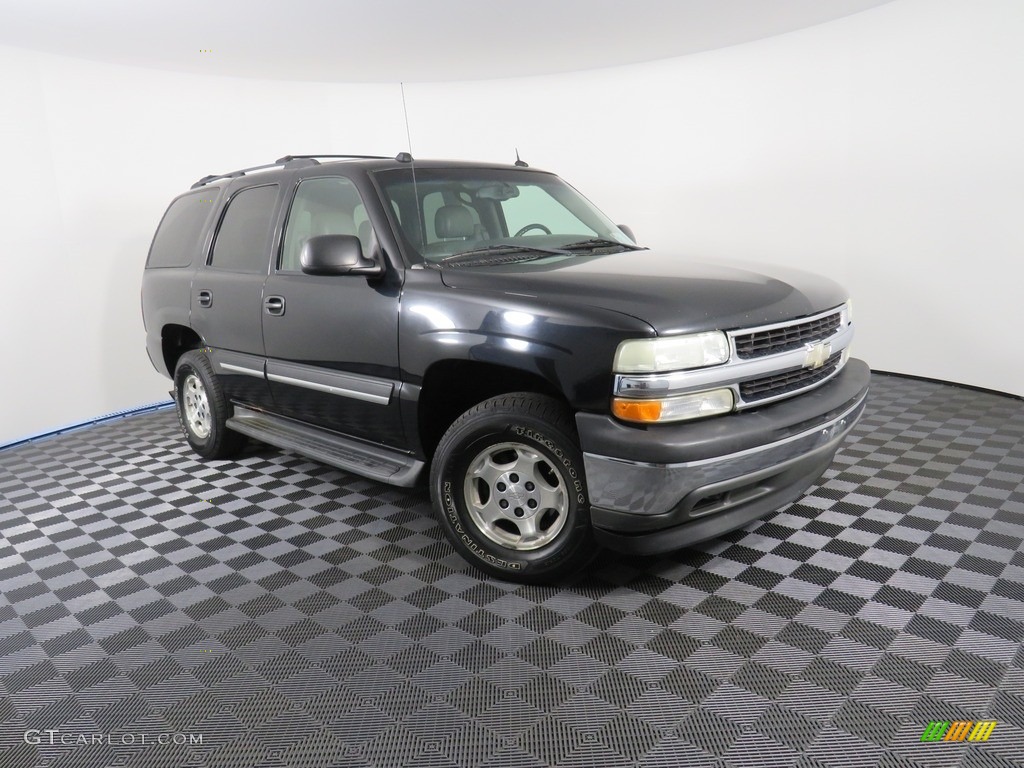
[(203, 409), (508, 485)]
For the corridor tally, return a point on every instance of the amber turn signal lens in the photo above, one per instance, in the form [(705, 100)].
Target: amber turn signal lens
[(696, 405), (637, 410)]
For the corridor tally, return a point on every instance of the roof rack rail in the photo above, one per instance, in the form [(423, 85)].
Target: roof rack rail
[(232, 174), (294, 161), (286, 158)]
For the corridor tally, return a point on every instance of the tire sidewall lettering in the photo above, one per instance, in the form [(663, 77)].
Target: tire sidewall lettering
[(452, 512), (179, 405), (448, 501), (558, 453)]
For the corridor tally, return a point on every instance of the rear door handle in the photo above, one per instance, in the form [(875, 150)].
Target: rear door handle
[(274, 305), (205, 299)]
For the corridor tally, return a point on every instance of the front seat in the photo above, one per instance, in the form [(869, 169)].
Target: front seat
[(454, 222)]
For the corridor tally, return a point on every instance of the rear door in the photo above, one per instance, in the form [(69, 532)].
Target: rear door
[(227, 293), (332, 341)]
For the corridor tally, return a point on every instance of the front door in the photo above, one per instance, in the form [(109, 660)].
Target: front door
[(332, 341)]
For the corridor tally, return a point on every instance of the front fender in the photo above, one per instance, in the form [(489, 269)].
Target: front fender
[(570, 346)]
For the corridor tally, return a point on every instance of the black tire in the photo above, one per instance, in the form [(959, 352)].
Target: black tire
[(204, 424), (473, 472)]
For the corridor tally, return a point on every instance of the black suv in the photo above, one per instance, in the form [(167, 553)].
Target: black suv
[(486, 329)]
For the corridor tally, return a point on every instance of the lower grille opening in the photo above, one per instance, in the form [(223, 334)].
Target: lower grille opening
[(707, 503), (725, 500)]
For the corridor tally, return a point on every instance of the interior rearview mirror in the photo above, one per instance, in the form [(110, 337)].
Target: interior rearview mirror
[(337, 255), (499, 192)]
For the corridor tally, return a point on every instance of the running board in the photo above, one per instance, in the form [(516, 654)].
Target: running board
[(373, 461)]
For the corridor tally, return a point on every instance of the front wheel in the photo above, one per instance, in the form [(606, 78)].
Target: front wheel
[(508, 486)]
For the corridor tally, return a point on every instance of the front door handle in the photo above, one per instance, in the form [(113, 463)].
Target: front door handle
[(274, 305), (205, 299)]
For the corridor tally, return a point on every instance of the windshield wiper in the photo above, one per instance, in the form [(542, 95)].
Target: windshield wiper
[(600, 242), (493, 254)]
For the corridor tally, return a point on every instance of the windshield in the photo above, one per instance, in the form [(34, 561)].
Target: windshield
[(453, 211)]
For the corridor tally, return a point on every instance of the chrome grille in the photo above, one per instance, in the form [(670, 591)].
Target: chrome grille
[(782, 384), (785, 338)]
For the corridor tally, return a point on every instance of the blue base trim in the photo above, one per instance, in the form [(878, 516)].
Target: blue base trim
[(162, 405)]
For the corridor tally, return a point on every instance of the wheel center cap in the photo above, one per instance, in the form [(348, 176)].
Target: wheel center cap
[(517, 496)]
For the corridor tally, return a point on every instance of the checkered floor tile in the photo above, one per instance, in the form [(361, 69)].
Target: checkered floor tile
[(276, 612)]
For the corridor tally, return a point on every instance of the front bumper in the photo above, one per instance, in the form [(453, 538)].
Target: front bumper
[(682, 484)]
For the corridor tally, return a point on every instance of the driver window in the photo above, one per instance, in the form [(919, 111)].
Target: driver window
[(323, 206), (533, 205)]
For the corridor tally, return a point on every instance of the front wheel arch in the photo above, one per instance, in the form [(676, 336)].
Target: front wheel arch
[(452, 387)]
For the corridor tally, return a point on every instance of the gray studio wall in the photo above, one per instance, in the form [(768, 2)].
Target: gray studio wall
[(882, 149), (93, 155)]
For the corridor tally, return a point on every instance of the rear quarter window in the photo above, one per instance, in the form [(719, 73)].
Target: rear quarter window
[(177, 238)]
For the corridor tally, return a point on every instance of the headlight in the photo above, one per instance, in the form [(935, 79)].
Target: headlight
[(672, 353), (693, 406), (846, 313)]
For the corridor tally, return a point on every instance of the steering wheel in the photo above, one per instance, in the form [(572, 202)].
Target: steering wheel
[(528, 227)]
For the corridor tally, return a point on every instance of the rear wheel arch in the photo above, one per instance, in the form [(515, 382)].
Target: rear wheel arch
[(176, 340)]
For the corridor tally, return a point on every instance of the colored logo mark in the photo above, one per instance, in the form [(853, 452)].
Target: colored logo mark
[(958, 730)]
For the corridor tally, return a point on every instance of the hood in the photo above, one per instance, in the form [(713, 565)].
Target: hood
[(671, 293)]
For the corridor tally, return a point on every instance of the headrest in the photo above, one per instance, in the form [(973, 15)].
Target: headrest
[(453, 221), (365, 236), (333, 222)]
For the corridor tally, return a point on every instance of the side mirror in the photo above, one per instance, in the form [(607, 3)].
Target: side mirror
[(337, 255), (627, 232)]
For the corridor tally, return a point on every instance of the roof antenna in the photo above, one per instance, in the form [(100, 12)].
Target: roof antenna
[(520, 163), (407, 157)]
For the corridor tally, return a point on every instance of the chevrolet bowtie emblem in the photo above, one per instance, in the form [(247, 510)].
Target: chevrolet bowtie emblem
[(817, 354)]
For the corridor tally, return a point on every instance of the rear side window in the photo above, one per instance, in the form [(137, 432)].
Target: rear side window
[(177, 237), (243, 239)]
